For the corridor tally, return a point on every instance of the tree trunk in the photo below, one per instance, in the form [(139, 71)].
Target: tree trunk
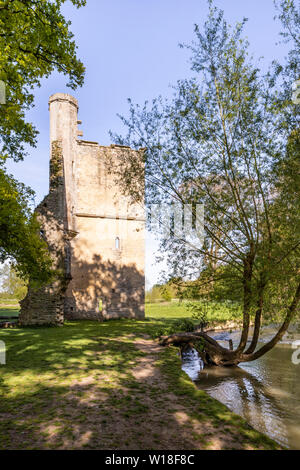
[(258, 314), (248, 267), (213, 353), (284, 327), (209, 349)]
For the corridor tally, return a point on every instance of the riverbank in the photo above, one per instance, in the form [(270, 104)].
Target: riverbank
[(263, 392), (93, 385)]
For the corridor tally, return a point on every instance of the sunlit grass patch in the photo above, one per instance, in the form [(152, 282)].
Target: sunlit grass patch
[(9, 311), (216, 311), (75, 387)]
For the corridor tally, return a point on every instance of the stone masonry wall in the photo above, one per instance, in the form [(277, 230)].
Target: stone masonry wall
[(46, 305), (96, 236), (103, 273)]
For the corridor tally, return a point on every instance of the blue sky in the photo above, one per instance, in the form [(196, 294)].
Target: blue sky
[(130, 49)]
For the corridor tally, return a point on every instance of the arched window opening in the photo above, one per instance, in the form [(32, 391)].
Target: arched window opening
[(117, 243)]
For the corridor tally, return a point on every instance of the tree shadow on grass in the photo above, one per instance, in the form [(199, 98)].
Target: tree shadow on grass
[(74, 387)]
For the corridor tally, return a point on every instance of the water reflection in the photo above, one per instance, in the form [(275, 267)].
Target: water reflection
[(265, 392)]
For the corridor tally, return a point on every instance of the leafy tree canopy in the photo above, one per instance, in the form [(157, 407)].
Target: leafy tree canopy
[(19, 232), (12, 285), (227, 139), (35, 40)]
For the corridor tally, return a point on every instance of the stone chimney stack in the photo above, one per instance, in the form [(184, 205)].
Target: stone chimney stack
[(63, 135)]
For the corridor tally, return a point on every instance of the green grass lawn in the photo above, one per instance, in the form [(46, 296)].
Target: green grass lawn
[(91, 385), (9, 312), (9, 308), (168, 311), (216, 312)]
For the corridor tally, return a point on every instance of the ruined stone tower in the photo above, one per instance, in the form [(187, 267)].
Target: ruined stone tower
[(95, 235)]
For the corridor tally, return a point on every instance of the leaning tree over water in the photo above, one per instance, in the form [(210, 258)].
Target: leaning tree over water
[(228, 138)]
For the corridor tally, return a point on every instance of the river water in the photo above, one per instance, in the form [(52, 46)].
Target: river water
[(265, 392)]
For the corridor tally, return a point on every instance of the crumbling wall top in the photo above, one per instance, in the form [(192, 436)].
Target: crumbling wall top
[(64, 97)]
